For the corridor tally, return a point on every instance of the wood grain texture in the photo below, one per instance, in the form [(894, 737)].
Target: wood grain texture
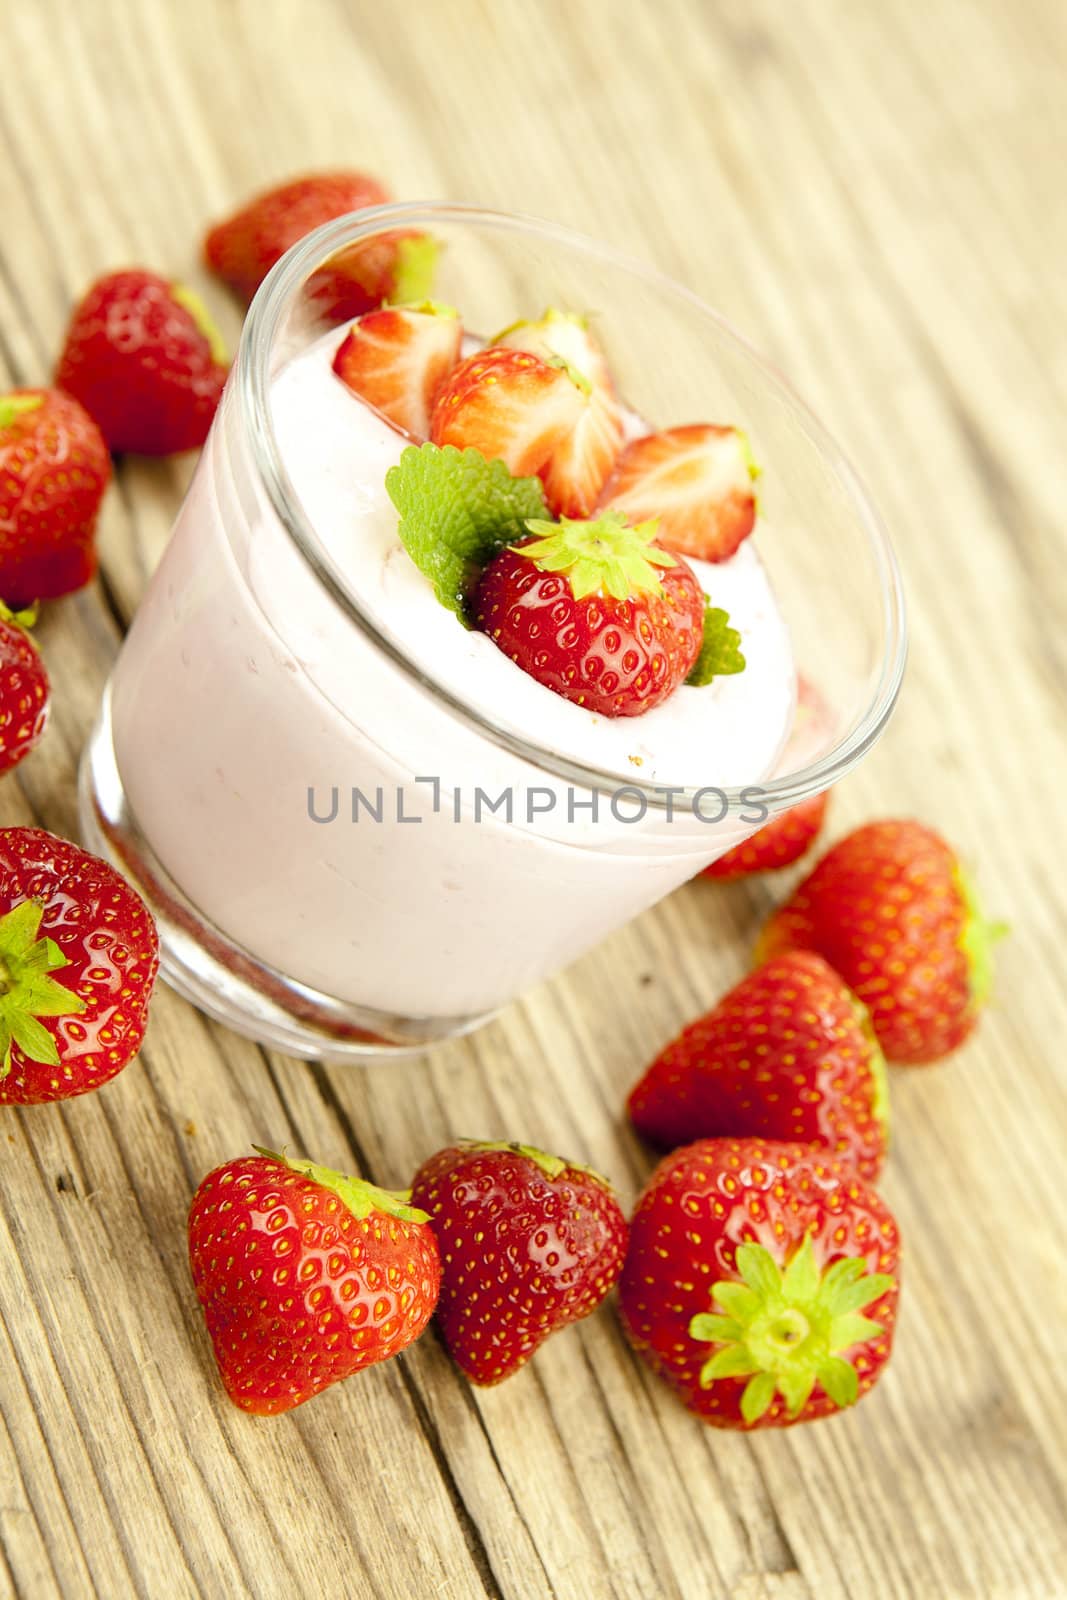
[(875, 194)]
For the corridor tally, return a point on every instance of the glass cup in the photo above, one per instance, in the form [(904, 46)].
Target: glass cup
[(297, 797)]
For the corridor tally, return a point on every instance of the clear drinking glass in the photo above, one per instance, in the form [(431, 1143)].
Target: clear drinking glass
[(256, 690)]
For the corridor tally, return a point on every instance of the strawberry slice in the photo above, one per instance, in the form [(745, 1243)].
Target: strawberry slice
[(397, 358), (579, 466), (509, 405), (697, 480)]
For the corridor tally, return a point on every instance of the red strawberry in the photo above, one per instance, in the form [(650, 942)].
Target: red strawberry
[(24, 689), (787, 1054), (697, 480), (750, 1265), (54, 468), (893, 912), (397, 359), (510, 406), (529, 1243), (578, 467), (64, 911), (595, 612), (245, 247), (305, 1276), (777, 844), (146, 361)]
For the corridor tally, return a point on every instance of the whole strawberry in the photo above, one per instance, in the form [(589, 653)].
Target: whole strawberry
[(146, 361), (778, 844), (891, 909), (761, 1282), (305, 1276), (529, 1243), (24, 688), (396, 266), (787, 1054), (243, 248), (64, 911), (54, 468), (596, 612)]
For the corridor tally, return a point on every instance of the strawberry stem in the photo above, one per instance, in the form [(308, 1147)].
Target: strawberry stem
[(605, 556), (784, 1331), (361, 1198), (27, 992)]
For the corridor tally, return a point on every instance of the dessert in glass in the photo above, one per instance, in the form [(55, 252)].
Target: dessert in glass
[(366, 811)]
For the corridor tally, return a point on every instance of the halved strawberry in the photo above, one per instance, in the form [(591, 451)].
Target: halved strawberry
[(509, 405), (579, 466), (697, 480), (397, 358)]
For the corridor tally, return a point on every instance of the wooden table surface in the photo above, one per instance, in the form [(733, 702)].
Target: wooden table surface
[(875, 193)]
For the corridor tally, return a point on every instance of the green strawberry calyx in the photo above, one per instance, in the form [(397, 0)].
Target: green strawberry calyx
[(27, 989), (551, 1166), (876, 1064), (23, 619), (977, 940), (190, 301), (361, 1198), (606, 556), (16, 405), (784, 1331)]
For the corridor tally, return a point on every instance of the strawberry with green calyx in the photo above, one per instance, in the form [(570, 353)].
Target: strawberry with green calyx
[(54, 468), (144, 358), (788, 1053), (891, 909), (785, 1330), (596, 612), (697, 479), (457, 510), (305, 1276), (397, 266), (63, 909), (761, 1282), (579, 466), (397, 358), (24, 687), (529, 1244)]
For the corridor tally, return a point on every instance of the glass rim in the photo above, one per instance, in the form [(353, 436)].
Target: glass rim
[(252, 390)]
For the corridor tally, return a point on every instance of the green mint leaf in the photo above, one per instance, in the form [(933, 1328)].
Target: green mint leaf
[(457, 511), (720, 654)]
